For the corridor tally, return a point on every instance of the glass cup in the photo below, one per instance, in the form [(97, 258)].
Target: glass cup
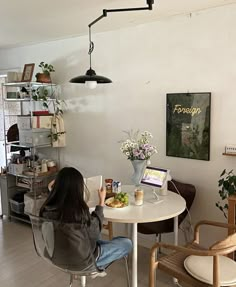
[(138, 196)]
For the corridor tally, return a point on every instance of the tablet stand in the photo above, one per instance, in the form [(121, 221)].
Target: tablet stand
[(155, 198), (164, 189)]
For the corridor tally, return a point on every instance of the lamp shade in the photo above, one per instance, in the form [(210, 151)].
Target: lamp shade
[(90, 76)]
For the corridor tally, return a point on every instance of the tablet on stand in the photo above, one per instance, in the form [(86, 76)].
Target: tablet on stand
[(156, 178)]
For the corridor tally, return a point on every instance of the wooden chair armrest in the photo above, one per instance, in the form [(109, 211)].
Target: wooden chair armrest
[(183, 249), (212, 223), (189, 250)]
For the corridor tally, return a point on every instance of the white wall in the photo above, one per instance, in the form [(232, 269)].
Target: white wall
[(180, 54)]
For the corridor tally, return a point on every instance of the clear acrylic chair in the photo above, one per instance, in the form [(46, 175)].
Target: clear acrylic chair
[(55, 243)]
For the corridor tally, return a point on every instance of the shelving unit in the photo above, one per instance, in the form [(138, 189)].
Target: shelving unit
[(25, 150), (229, 154)]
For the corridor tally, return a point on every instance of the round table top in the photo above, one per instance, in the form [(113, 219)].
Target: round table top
[(170, 205)]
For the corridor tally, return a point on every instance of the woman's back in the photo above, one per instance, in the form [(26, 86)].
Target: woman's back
[(75, 230), (68, 245)]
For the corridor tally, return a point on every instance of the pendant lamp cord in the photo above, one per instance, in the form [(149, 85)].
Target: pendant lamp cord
[(91, 47)]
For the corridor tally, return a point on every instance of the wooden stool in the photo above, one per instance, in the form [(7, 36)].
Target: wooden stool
[(231, 216), (109, 227)]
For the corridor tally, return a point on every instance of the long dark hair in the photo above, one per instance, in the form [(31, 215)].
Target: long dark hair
[(66, 199)]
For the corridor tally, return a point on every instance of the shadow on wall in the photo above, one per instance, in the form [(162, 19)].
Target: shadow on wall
[(70, 66)]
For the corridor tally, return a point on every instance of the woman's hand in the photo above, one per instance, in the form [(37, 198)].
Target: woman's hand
[(102, 196)]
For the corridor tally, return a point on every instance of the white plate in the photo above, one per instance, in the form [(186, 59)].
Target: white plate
[(109, 200)]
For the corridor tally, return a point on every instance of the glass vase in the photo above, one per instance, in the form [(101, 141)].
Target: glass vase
[(139, 167)]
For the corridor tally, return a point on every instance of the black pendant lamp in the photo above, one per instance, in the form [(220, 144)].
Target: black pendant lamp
[(91, 79)]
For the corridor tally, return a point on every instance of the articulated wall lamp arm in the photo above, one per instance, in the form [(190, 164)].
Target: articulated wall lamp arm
[(105, 11), (104, 14), (91, 79)]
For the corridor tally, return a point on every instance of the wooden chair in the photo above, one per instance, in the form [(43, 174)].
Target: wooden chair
[(173, 264)]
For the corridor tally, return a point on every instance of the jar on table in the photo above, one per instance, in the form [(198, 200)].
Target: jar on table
[(138, 196), (108, 185)]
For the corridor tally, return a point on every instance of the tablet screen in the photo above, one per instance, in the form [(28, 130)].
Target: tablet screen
[(154, 176)]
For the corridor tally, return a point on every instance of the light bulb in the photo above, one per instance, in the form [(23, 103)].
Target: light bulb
[(91, 84)]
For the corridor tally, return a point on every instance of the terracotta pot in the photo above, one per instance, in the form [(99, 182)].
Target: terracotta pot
[(43, 78)]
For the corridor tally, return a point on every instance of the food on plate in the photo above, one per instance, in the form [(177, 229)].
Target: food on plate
[(115, 203), (120, 200)]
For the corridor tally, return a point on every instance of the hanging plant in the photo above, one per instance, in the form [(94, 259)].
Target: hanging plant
[(41, 94)]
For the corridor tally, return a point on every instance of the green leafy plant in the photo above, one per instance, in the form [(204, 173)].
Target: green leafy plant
[(227, 184), (41, 94), (46, 68), (46, 95), (55, 133)]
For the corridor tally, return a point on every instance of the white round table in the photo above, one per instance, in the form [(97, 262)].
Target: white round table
[(170, 206)]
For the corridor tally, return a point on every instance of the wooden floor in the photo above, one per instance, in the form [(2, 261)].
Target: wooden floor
[(21, 267)]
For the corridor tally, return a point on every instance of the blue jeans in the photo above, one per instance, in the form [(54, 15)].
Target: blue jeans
[(111, 250)]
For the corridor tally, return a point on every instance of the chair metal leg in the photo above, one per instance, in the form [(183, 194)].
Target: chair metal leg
[(71, 280), (158, 239), (127, 271), (83, 281)]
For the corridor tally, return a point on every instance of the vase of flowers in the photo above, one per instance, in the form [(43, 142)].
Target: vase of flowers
[(139, 151)]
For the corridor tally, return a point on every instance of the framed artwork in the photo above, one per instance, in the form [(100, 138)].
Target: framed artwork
[(27, 73), (188, 125)]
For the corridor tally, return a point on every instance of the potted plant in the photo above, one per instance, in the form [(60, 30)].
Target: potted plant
[(227, 184), (45, 77)]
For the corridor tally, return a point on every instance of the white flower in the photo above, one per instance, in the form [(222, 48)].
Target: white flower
[(137, 146)]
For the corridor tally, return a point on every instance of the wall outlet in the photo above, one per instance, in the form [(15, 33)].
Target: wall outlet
[(230, 148)]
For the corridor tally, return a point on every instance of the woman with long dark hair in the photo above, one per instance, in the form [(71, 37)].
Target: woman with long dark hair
[(66, 204)]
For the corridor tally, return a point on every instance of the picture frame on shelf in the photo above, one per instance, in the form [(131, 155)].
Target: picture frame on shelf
[(28, 72), (188, 125)]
